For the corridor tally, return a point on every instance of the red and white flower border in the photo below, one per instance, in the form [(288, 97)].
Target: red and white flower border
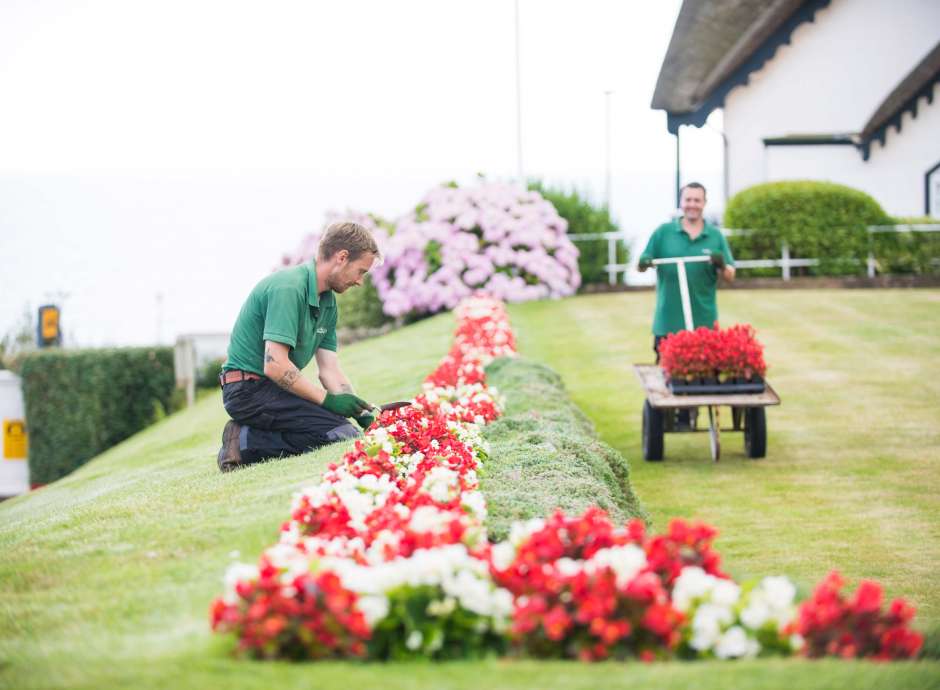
[(400, 519)]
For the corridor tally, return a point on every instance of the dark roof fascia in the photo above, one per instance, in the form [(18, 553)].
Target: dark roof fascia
[(909, 106), (741, 75), (811, 141)]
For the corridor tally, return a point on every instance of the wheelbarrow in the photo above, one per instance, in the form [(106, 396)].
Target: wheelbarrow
[(748, 410)]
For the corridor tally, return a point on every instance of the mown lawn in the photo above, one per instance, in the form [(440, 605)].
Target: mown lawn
[(852, 476), (106, 576)]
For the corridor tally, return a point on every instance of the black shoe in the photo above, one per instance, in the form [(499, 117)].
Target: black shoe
[(230, 456)]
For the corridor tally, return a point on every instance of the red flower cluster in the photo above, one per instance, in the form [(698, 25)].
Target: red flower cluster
[(588, 589), (685, 544), (313, 618), (857, 627), (705, 352)]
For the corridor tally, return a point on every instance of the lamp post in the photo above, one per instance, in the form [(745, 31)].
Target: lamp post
[(518, 105), (607, 148)]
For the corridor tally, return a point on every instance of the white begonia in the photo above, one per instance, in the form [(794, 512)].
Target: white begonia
[(626, 561), (755, 614), (725, 592), (503, 554), (772, 600), (475, 503), (237, 572), (735, 644), (374, 608), (693, 583), (521, 531), (441, 484), (707, 624), (430, 520), (569, 567)]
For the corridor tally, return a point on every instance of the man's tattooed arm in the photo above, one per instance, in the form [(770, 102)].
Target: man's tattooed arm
[(346, 388), (289, 378)]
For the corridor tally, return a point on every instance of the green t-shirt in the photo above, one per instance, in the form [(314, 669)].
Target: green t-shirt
[(285, 308), (668, 241)]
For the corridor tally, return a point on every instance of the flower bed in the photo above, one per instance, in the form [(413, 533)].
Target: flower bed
[(388, 558), (713, 360)]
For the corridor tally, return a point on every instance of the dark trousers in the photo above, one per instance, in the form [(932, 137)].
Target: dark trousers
[(682, 414), (276, 423), (657, 339)]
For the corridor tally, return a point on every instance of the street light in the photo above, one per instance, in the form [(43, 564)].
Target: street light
[(607, 148)]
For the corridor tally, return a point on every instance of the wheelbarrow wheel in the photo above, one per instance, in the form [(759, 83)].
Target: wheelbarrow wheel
[(755, 432), (653, 420)]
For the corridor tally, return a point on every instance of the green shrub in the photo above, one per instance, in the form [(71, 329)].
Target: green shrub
[(819, 220), (545, 453), (81, 402), (360, 307), (584, 218), (908, 252), (207, 376)]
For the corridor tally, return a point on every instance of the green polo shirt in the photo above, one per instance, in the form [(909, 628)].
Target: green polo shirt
[(285, 308), (669, 241)]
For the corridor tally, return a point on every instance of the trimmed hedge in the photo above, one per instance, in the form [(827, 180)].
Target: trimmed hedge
[(545, 454), (583, 218), (81, 402), (819, 220), (908, 252)]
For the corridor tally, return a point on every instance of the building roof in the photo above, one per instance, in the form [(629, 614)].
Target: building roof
[(919, 82), (716, 45)]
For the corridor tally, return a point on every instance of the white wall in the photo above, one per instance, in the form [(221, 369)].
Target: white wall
[(893, 174), (830, 80)]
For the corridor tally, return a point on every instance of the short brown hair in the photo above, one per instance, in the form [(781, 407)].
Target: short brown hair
[(694, 185), (352, 237)]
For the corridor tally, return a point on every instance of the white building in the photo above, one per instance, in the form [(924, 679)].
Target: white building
[(839, 90)]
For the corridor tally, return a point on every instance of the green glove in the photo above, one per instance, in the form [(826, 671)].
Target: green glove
[(644, 263), (345, 404), (365, 420), (718, 259)]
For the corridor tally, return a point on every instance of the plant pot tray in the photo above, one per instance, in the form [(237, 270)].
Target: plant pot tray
[(659, 394), (713, 387)]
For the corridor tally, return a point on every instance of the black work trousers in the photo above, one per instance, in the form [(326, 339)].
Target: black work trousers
[(276, 423)]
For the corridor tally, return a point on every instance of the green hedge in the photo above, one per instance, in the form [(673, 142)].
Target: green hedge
[(360, 307), (81, 402), (584, 218), (908, 252), (819, 220), (545, 454)]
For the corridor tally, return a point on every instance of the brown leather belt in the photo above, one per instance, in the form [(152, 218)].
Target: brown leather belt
[(233, 375)]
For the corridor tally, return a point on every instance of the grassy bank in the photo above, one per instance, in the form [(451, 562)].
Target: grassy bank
[(545, 454), (106, 576)]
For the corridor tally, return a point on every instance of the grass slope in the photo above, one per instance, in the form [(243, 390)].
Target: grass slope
[(545, 453), (106, 576)]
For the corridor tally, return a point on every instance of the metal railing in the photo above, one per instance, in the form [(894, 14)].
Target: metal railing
[(785, 263)]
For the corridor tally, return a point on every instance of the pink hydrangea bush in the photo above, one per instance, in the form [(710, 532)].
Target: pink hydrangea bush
[(494, 237)]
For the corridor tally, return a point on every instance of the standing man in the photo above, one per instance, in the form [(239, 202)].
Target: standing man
[(688, 235), (288, 319)]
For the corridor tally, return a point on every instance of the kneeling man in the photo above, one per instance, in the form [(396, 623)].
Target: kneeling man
[(288, 319)]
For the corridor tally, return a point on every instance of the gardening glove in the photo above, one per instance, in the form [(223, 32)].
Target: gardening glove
[(718, 260), (365, 420), (644, 263), (345, 404)]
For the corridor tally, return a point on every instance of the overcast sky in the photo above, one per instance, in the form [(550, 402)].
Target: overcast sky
[(181, 148)]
